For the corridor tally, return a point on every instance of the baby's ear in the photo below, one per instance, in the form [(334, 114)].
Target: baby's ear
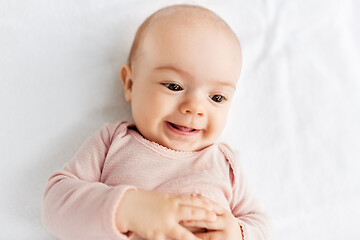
[(126, 77)]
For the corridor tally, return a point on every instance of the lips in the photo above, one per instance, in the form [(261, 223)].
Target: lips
[(182, 130)]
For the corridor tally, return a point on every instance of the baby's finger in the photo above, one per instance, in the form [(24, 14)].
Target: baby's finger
[(210, 235), (217, 225), (186, 212), (196, 201), (180, 232), (217, 208), (199, 195)]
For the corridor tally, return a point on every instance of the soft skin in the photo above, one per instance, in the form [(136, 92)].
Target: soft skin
[(180, 86), (184, 76)]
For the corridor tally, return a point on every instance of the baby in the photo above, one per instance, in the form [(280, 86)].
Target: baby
[(163, 177)]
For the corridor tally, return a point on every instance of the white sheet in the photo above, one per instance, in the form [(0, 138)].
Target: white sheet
[(295, 118)]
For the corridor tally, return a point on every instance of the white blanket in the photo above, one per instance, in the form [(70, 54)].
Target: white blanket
[(295, 118)]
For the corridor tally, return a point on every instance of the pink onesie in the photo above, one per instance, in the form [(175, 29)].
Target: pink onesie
[(80, 200)]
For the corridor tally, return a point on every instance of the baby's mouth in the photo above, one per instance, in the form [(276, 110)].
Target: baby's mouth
[(182, 128)]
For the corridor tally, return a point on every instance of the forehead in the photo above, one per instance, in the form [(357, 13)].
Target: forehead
[(188, 19), (203, 49)]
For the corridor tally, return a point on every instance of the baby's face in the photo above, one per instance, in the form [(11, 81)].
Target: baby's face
[(181, 84)]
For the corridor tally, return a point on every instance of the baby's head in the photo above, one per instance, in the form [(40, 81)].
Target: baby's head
[(181, 76)]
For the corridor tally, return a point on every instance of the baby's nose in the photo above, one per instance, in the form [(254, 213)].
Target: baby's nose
[(198, 113), (192, 106)]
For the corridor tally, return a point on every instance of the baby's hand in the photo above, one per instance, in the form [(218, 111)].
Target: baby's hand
[(225, 227), (157, 215)]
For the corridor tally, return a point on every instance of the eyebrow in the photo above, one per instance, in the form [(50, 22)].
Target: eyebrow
[(183, 72), (172, 68)]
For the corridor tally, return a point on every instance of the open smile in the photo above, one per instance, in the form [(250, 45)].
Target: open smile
[(182, 130)]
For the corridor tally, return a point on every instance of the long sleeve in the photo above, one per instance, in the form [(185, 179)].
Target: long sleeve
[(255, 223), (76, 205)]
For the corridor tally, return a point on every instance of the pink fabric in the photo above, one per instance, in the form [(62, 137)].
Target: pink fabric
[(79, 201)]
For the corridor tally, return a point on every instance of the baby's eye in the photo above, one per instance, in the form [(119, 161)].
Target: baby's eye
[(217, 98), (173, 86)]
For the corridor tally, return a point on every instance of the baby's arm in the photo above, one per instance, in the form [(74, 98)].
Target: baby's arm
[(76, 205), (254, 222), (246, 221)]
